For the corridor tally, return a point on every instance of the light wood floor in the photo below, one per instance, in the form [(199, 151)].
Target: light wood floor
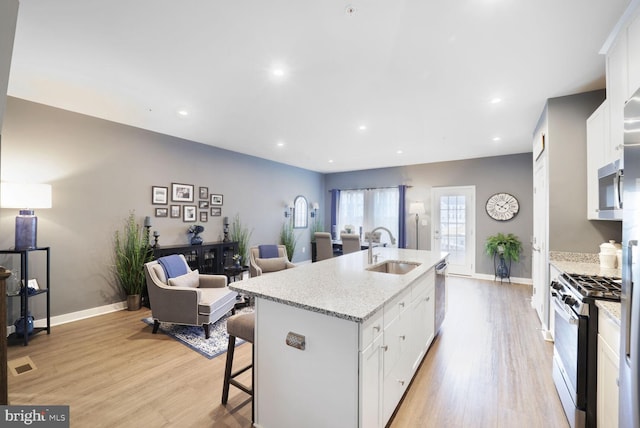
[(489, 367)]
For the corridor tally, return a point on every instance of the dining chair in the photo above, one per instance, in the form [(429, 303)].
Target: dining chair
[(350, 242), (324, 247)]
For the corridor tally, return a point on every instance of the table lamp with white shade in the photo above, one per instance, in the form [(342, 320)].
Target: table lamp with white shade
[(25, 197), (416, 208)]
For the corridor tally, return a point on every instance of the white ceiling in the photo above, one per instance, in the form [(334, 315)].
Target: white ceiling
[(419, 74)]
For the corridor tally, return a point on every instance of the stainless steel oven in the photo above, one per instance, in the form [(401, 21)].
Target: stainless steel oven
[(569, 363), (575, 349)]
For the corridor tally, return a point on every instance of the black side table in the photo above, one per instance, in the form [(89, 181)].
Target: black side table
[(25, 296), (234, 271)]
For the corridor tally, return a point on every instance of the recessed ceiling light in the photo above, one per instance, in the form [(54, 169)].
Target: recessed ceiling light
[(280, 144), (496, 100), (278, 72), (330, 160), (362, 127), (399, 152), (497, 138), (183, 113)]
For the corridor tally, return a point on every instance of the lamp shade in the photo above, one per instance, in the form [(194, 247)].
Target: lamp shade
[(416, 208), (25, 195)]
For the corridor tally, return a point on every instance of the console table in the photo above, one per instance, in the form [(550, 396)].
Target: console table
[(209, 257), (25, 296)]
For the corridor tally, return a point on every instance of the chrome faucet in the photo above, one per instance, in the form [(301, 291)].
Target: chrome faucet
[(370, 250)]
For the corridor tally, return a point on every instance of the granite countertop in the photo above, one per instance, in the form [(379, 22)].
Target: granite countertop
[(341, 286), (588, 264)]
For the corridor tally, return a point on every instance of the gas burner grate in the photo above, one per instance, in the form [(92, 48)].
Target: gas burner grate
[(601, 287)]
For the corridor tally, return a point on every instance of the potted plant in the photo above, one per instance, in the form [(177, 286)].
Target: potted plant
[(132, 251), (288, 239), (241, 234), (504, 249)]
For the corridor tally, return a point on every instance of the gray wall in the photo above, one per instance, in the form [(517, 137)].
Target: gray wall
[(101, 170), (569, 229), (511, 174)]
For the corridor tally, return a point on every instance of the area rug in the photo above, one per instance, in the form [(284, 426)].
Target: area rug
[(193, 336)]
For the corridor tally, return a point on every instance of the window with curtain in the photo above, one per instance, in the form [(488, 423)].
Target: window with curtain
[(367, 209)]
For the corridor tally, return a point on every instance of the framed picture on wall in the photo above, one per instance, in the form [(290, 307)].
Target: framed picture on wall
[(203, 205), (204, 193), (181, 192), (216, 199), (175, 211), (189, 213), (204, 217), (159, 195), (162, 212), (216, 212)]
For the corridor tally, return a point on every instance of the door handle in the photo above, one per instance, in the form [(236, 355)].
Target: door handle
[(534, 247)]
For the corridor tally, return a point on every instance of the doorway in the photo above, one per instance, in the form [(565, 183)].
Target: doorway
[(453, 226)]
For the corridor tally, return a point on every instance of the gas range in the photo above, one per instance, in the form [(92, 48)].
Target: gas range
[(578, 291)]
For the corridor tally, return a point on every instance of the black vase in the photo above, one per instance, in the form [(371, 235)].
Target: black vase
[(502, 270), (196, 240)]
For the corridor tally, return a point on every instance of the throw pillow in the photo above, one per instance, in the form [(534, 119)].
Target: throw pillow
[(272, 265), (190, 279)]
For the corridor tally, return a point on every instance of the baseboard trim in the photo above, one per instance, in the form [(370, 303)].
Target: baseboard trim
[(515, 280), (76, 316)]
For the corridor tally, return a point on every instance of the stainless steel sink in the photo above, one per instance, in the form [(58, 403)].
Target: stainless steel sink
[(395, 267)]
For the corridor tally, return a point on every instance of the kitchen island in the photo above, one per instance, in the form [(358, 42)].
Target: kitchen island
[(336, 344)]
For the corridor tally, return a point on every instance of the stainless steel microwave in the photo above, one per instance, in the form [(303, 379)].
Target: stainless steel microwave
[(610, 179)]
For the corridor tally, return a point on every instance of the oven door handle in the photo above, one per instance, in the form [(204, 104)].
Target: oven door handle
[(567, 314)]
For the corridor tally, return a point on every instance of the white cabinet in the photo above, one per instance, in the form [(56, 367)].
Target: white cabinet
[(608, 371), (633, 59), (396, 352), (422, 317), (371, 385), (617, 95), (554, 273), (599, 150)]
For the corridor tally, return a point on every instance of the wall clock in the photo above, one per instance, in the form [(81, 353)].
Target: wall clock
[(502, 206)]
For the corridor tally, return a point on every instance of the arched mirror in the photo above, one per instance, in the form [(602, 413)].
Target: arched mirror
[(300, 212)]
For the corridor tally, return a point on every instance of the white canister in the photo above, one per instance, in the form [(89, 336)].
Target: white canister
[(608, 248)]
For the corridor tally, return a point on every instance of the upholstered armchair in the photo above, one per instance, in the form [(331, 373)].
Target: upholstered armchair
[(259, 265), (191, 299)]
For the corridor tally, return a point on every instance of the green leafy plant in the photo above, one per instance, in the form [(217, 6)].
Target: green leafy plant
[(241, 234), (316, 226), (509, 246), (288, 239), (132, 251)]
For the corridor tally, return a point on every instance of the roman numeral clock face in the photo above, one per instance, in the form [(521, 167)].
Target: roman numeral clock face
[(502, 206)]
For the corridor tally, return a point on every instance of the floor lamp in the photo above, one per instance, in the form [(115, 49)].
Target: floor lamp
[(416, 208)]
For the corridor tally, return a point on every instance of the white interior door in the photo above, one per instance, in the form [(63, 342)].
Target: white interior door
[(453, 226), (540, 264)]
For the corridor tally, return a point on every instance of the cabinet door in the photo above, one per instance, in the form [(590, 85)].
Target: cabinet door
[(598, 149), (422, 326), (371, 385), (617, 95), (607, 409), (633, 51)]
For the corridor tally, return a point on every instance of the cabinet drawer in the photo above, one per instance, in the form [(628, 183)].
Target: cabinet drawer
[(609, 330), (371, 329), (423, 284), (396, 306)]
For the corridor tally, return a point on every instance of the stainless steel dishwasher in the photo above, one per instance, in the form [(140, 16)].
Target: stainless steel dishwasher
[(441, 300)]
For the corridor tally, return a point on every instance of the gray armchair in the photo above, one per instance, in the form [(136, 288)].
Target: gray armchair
[(258, 266), (191, 299)]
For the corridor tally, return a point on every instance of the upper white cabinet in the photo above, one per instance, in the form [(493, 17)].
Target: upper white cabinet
[(599, 152), (616, 96), (633, 55)]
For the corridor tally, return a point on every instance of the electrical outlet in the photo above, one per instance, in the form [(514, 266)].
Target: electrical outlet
[(304, 249)]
